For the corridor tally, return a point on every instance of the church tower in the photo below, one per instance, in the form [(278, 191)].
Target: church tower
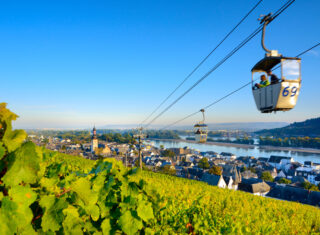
[(94, 143)]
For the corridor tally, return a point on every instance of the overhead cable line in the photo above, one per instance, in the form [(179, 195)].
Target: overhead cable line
[(244, 42), (231, 93), (196, 68)]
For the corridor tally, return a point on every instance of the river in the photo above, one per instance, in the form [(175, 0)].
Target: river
[(254, 151)]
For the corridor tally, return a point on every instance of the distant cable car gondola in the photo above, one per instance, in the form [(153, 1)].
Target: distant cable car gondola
[(280, 95), (201, 130)]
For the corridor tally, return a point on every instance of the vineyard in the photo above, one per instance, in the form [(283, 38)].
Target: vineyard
[(45, 192)]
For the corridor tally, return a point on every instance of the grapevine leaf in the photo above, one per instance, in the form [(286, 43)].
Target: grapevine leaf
[(104, 210), (23, 196), (23, 165), (72, 223), (106, 226), (98, 183), (130, 224), (2, 151), (145, 211), (53, 215), (6, 114), (82, 187), (94, 212), (8, 210), (13, 139), (149, 231), (15, 217)]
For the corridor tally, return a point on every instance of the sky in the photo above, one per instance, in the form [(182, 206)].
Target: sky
[(75, 64)]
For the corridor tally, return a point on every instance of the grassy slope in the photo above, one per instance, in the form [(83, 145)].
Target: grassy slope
[(189, 205), (210, 209)]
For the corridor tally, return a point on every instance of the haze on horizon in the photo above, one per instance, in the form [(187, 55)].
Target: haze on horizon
[(78, 63)]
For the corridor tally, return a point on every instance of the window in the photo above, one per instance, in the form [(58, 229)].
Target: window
[(291, 69)]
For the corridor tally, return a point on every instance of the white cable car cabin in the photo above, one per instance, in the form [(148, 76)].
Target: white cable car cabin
[(280, 96), (283, 94), (201, 130)]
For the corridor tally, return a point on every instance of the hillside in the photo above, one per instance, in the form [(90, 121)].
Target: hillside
[(46, 192), (211, 210), (310, 127)]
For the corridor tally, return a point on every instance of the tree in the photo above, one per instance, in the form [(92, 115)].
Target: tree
[(252, 170), (45, 141), (167, 169), (284, 181), (161, 146), (243, 169), (266, 176), (309, 186), (216, 170), (203, 163), (168, 153)]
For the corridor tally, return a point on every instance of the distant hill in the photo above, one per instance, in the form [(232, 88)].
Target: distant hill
[(246, 126), (229, 126), (241, 126), (310, 127)]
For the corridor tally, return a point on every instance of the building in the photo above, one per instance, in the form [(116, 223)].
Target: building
[(94, 142), (254, 186), (295, 194), (215, 180), (228, 156), (308, 172), (280, 162)]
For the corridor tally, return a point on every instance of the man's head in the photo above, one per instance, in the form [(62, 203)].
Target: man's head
[(269, 72), (263, 77)]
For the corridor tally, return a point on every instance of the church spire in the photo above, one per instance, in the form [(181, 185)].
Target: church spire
[(94, 132), (94, 142)]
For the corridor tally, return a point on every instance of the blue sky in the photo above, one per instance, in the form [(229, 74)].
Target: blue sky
[(70, 64)]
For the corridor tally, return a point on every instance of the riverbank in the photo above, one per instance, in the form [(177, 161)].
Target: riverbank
[(247, 146)]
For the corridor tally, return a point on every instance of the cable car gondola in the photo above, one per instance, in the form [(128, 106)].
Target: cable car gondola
[(283, 94), (201, 130)]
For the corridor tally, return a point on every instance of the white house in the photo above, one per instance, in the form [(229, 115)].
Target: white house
[(308, 172), (280, 162), (230, 183), (228, 156), (216, 180)]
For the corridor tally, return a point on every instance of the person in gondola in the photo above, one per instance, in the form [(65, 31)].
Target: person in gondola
[(263, 82), (273, 78)]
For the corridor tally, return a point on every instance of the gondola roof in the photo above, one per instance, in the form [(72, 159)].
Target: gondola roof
[(200, 125), (268, 62)]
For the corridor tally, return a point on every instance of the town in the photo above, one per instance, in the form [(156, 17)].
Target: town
[(276, 177)]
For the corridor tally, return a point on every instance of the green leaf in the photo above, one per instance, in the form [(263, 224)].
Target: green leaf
[(82, 187), (15, 218), (23, 165), (7, 212), (2, 151), (72, 223), (53, 216), (94, 211), (129, 224), (22, 195), (98, 182), (13, 139), (106, 226), (145, 211)]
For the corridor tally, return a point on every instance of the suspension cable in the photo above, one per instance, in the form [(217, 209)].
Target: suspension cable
[(244, 42), (231, 93), (203, 60)]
